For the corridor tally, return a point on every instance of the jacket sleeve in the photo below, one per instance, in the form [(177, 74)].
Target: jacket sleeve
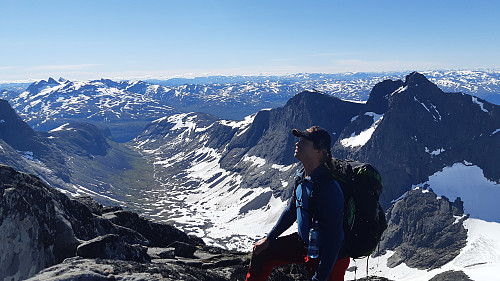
[(331, 232), (287, 218)]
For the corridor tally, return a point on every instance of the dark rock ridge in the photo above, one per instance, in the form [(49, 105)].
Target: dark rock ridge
[(424, 232), (422, 131), (80, 138), (21, 137)]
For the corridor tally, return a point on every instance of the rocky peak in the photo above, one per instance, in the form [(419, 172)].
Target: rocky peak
[(424, 231), (52, 81), (416, 88), (379, 95), (36, 86), (423, 131)]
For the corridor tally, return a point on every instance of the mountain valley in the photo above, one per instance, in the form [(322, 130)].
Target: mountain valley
[(140, 146)]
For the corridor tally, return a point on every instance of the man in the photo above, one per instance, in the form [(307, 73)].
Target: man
[(317, 197)]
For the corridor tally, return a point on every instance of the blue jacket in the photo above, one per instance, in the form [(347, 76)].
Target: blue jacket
[(329, 211)]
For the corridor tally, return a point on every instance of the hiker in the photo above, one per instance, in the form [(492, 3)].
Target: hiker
[(322, 208)]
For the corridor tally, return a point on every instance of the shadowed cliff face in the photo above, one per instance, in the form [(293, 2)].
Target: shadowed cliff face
[(40, 227), (423, 130), (423, 230)]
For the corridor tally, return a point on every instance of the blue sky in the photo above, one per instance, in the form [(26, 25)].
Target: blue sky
[(86, 39)]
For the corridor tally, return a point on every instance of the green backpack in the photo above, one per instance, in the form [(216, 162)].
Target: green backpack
[(364, 218)]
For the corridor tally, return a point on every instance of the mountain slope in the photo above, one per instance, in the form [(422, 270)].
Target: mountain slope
[(76, 158), (423, 131)]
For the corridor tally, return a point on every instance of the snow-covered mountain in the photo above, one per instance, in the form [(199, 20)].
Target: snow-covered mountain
[(224, 175), (76, 158), (127, 106), (46, 105)]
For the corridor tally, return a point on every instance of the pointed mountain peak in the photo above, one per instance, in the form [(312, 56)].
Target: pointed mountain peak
[(36, 86), (416, 79), (418, 86), (52, 81)]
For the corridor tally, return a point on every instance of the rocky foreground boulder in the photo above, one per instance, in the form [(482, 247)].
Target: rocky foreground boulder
[(79, 239)]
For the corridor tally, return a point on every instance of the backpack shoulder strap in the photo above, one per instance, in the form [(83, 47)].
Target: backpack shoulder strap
[(298, 179)]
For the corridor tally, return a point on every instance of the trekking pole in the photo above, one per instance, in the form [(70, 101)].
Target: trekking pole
[(367, 258)]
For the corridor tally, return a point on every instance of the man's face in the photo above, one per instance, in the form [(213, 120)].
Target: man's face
[(304, 150)]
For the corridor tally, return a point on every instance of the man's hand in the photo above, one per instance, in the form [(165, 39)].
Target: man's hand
[(260, 246)]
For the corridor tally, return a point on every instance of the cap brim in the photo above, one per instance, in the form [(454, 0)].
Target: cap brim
[(299, 134)]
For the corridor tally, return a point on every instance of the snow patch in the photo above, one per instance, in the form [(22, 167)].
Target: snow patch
[(479, 259), (363, 137), (282, 168), (256, 161), (181, 122), (400, 90), (435, 152), (28, 155), (476, 101), (435, 114), (60, 128)]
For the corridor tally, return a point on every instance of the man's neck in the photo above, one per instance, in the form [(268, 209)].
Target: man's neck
[(310, 167)]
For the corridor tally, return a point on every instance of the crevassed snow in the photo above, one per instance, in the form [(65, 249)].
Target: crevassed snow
[(479, 194), (364, 136)]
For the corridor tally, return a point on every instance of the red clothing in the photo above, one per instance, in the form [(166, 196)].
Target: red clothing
[(289, 250)]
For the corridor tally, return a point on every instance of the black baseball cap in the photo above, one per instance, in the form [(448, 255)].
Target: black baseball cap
[(319, 136)]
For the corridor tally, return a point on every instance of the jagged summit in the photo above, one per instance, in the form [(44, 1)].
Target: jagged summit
[(52, 81), (418, 85), (379, 95)]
